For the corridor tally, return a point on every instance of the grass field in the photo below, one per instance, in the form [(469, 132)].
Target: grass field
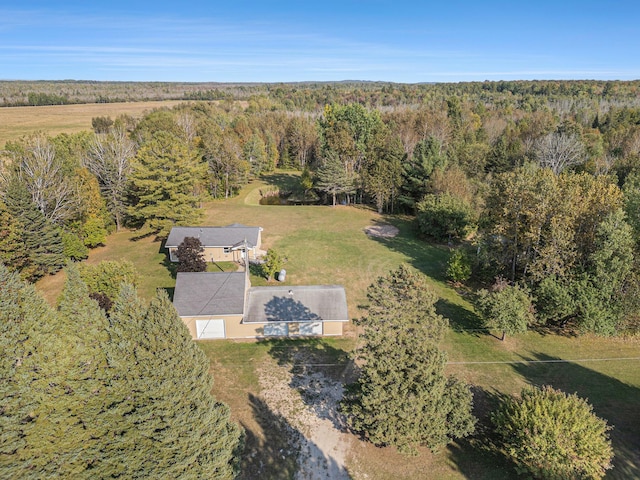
[(18, 121), (328, 245)]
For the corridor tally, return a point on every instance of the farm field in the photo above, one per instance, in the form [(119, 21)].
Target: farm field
[(328, 245), (54, 119)]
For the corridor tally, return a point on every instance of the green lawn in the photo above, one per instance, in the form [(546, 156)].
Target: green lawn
[(328, 245)]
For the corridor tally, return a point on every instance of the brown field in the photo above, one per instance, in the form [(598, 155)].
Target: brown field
[(18, 121)]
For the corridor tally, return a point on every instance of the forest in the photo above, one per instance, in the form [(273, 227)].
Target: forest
[(533, 186)]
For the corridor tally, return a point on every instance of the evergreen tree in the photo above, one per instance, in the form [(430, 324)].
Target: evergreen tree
[(42, 240), (165, 178), (428, 155), (190, 258), (175, 428), (22, 337), (13, 253), (83, 397), (402, 396), (73, 417), (273, 263), (334, 179)]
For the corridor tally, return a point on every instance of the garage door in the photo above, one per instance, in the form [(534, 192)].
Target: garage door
[(311, 328), (276, 329), (210, 328)]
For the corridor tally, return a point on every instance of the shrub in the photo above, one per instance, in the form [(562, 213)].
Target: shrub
[(107, 277), (73, 247), (273, 263), (552, 435), (458, 266)]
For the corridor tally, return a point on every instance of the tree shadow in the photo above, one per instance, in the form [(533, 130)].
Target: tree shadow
[(319, 372), (171, 291), (612, 400), (284, 181), (172, 267), (478, 456), (426, 257), (461, 319), (272, 451), (285, 309), (146, 234)]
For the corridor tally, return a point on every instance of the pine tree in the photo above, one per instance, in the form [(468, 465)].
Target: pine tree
[(334, 179), (402, 396), (83, 397), (13, 253), (175, 428), (42, 240), (73, 419), (165, 179), (22, 336)]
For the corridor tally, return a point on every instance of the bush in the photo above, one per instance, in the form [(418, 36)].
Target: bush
[(458, 266), (552, 435), (273, 263), (107, 277), (94, 232)]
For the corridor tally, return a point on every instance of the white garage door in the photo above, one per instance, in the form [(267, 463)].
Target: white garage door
[(210, 328), (276, 329), (311, 328)]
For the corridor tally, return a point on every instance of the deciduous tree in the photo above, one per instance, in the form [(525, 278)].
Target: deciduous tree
[(507, 308), (190, 256), (110, 158), (552, 435)]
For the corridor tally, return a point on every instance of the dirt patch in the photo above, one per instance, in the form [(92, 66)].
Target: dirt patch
[(309, 403), (384, 231)]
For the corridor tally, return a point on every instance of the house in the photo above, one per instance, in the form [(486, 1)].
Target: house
[(221, 244), (224, 305)]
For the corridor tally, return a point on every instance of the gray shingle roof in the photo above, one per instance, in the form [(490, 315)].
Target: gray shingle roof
[(296, 304), (215, 236), (209, 293)]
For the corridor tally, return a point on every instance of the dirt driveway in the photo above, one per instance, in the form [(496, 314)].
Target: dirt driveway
[(308, 400)]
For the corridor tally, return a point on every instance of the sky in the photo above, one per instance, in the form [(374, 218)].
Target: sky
[(288, 41)]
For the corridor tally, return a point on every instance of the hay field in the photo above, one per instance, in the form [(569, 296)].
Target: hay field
[(54, 119)]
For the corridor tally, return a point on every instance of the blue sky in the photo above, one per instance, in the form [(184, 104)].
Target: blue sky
[(283, 41)]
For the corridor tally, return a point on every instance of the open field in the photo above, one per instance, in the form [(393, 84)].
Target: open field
[(329, 245), (18, 121)]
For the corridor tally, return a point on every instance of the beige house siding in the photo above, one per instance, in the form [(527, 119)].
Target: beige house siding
[(237, 329), (332, 328), (218, 254)]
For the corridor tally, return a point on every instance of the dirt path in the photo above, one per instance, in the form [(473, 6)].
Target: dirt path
[(309, 404)]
